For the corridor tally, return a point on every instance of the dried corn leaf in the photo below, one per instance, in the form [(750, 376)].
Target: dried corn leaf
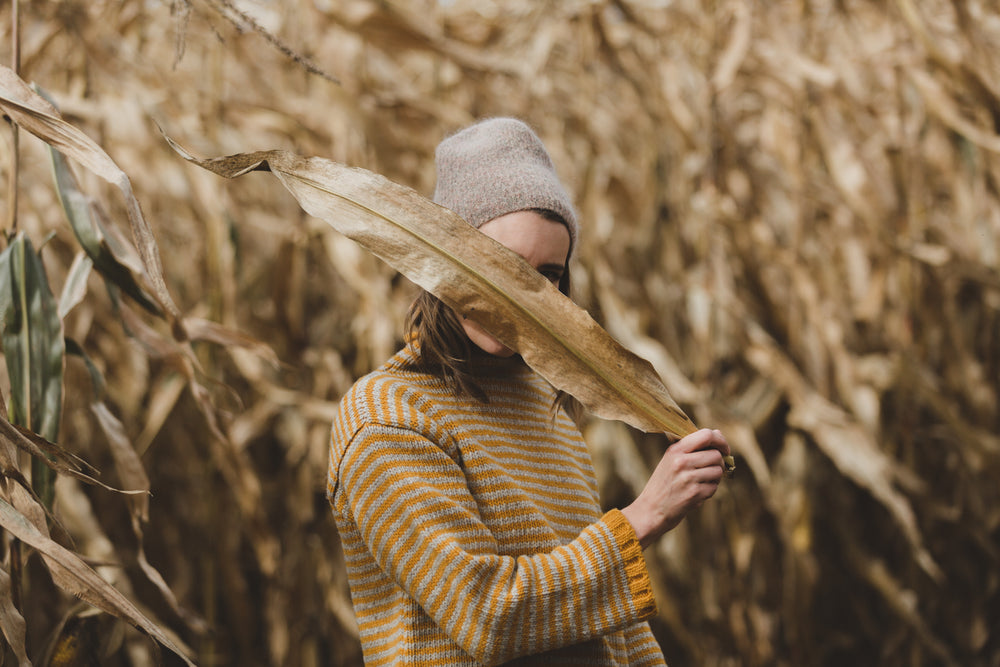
[(231, 461), (59, 459), (133, 475), (34, 114), (131, 472), (23, 499), (903, 602), (11, 622), (206, 330), (479, 278), (402, 27), (74, 576)]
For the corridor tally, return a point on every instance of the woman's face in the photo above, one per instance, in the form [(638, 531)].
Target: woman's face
[(541, 242)]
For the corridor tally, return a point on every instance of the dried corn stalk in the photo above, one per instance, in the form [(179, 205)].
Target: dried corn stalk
[(822, 172)]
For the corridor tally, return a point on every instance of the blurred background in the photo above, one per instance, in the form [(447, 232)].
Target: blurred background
[(790, 208)]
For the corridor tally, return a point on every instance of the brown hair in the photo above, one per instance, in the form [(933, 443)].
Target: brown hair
[(445, 350)]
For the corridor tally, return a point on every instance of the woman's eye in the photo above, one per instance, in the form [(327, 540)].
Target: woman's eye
[(552, 276)]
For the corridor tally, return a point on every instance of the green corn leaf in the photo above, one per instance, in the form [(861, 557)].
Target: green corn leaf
[(75, 286), (32, 339), (34, 350), (112, 258)]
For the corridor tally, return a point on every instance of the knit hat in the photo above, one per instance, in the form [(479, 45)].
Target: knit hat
[(495, 167)]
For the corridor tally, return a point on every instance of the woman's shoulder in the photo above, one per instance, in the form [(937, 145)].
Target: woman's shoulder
[(394, 398), (395, 394)]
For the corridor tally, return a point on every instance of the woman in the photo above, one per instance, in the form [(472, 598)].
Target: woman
[(463, 492)]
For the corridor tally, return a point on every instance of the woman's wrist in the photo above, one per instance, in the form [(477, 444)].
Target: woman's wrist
[(643, 527)]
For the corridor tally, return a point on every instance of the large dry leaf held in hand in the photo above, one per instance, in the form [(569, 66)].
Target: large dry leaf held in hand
[(479, 278)]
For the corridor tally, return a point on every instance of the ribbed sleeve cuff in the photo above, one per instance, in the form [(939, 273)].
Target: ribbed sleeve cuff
[(636, 572)]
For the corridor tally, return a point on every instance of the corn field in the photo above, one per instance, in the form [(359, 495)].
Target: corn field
[(791, 208)]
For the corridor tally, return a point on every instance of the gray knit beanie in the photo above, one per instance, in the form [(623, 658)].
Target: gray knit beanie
[(495, 167)]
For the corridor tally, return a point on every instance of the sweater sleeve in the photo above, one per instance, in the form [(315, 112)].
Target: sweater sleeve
[(643, 649), (414, 511)]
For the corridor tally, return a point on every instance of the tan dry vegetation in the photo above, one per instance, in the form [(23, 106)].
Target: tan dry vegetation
[(791, 208)]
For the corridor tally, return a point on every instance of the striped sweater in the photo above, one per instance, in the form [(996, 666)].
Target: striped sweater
[(472, 532)]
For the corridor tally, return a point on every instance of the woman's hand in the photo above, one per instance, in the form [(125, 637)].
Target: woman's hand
[(686, 476)]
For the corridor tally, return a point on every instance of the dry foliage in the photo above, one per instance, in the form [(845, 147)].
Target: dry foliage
[(790, 208)]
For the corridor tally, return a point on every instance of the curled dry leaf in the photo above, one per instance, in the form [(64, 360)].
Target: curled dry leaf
[(54, 456)]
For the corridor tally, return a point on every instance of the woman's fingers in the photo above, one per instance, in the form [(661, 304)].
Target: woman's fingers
[(709, 439), (705, 447), (702, 439), (688, 474), (704, 458)]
